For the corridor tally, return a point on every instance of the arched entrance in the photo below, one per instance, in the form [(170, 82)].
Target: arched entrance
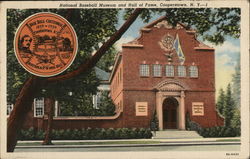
[(171, 91), (170, 116)]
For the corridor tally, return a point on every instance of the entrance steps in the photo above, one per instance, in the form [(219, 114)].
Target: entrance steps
[(176, 134)]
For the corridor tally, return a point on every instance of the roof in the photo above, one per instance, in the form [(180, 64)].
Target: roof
[(101, 74)]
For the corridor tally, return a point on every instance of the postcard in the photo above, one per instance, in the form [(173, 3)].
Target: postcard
[(108, 79)]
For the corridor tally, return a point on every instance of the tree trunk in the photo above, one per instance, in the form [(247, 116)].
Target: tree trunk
[(22, 106), (50, 104), (25, 98)]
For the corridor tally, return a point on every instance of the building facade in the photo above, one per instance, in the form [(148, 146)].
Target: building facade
[(168, 71)]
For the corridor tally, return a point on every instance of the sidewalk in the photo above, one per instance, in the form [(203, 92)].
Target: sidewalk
[(160, 142)]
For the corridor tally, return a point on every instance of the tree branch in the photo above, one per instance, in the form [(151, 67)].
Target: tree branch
[(94, 59)]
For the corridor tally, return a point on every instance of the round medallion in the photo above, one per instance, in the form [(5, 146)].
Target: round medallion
[(45, 44)]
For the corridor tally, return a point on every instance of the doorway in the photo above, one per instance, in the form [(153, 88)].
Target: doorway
[(170, 105)]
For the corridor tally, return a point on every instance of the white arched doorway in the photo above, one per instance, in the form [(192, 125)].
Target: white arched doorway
[(170, 105)]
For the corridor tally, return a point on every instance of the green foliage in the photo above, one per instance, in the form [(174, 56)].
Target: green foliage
[(89, 38), (221, 102), (229, 107), (226, 107), (107, 107), (236, 122), (217, 131), (107, 60), (154, 124), (88, 134), (84, 107), (213, 24), (236, 88)]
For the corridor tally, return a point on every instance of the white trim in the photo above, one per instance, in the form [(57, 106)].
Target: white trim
[(34, 103)]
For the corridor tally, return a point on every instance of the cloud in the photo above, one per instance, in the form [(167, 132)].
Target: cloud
[(225, 61), (226, 47), (118, 44), (223, 72)]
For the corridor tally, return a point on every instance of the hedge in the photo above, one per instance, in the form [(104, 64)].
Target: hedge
[(217, 131), (87, 134)]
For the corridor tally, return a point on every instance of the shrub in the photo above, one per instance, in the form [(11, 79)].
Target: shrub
[(39, 135), (87, 134), (110, 133)]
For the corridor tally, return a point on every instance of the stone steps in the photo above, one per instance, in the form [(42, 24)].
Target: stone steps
[(176, 134)]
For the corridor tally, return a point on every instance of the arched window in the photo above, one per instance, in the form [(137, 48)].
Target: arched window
[(193, 71)]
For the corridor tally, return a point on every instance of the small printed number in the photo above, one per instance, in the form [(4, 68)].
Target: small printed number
[(232, 154)]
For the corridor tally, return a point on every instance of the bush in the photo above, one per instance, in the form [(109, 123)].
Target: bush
[(87, 134), (217, 131), (110, 133), (40, 135)]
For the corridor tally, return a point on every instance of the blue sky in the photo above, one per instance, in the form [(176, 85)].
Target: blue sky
[(226, 55)]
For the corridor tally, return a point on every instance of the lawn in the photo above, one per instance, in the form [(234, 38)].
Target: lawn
[(90, 143)]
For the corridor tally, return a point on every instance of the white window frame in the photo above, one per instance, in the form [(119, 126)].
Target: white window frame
[(169, 70), (193, 71), (97, 100), (35, 107), (181, 71), (9, 108), (157, 70), (144, 70)]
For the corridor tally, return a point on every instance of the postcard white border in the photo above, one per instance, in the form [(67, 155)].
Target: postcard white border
[(244, 153)]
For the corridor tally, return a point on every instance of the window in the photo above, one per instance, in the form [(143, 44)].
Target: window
[(144, 70), (38, 107), (157, 70), (9, 108), (193, 71), (181, 71), (97, 100), (169, 70)]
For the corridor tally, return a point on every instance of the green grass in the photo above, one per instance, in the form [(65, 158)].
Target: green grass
[(228, 140), (90, 143)]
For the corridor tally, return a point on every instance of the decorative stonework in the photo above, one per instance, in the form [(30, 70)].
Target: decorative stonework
[(165, 24), (167, 43), (170, 85), (178, 26)]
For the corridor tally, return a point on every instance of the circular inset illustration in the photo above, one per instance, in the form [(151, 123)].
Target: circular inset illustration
[(45, 44)]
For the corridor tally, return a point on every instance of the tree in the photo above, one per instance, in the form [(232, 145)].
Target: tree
[(50, 112), (107, 106), (34, 84), (25, 87), (108, 60), (211, 24), (236, 88), (229, 107), (221, 102)]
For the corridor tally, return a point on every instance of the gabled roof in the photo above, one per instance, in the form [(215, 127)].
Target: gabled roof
[(162, 18), (101, 74)]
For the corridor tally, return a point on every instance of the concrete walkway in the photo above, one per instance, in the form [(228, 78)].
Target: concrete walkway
[(162, 142)]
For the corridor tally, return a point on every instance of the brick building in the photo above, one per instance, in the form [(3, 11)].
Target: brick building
[(169, 71), (166, 70)]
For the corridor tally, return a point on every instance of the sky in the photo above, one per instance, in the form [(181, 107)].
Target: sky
[(226, 55)]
